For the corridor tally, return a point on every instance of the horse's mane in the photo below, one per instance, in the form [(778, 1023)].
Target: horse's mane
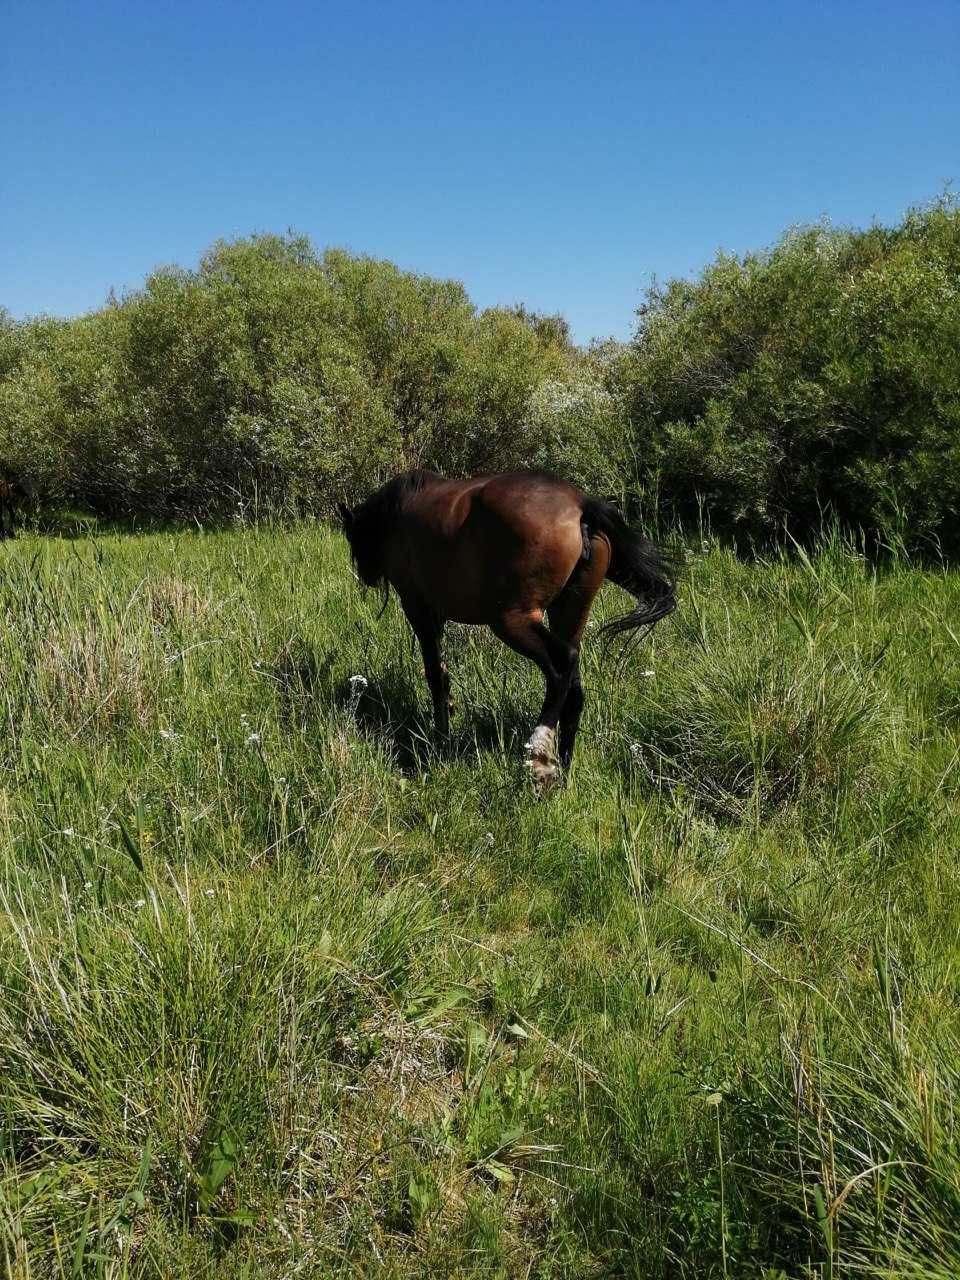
[(374, 521)]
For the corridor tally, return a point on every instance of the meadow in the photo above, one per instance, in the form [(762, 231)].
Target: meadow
[(291, 990)]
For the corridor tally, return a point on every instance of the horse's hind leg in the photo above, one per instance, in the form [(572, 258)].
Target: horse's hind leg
[(526, 634), (428, 629), (570, 716), (568, 618)]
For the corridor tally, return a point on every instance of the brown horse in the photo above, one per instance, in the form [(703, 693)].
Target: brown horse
[(505, 550)]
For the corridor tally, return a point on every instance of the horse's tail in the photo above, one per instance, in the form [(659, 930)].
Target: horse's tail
[(637, 565)]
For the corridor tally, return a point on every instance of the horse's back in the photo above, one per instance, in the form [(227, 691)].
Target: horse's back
[(524, 499), (513, 508)]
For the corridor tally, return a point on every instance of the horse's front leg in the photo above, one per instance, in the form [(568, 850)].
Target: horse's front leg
[(428, 629)]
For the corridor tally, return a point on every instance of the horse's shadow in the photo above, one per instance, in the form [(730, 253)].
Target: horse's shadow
[(392, 709)]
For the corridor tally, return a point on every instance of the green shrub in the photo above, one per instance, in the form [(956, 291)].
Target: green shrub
[(271, 376), (816, 381), (819, 378)]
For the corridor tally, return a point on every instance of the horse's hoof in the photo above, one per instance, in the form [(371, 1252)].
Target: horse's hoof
[(545, 777), (541, 759)]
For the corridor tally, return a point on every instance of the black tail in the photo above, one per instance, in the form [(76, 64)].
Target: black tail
[(637, 565)]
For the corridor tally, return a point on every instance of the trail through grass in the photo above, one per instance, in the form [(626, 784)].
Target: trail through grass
[(289, 991)]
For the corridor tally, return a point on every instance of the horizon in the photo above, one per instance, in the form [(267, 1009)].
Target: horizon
[(508, 150)]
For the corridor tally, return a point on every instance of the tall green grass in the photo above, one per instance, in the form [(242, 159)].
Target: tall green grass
[(290, 990)]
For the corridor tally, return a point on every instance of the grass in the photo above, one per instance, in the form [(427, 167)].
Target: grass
[(289, 991)]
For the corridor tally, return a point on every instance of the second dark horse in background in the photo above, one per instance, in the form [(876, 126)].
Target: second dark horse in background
[(507, 551)]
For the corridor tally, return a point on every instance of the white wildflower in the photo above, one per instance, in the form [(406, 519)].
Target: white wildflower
[(253, 739), (140, 902), (68, 831)]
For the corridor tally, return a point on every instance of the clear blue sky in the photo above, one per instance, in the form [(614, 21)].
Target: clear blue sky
[(557, 154)]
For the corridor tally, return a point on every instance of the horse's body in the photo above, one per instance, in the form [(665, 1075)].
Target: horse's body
[(506, 550)]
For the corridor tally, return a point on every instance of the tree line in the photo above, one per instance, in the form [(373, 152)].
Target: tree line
[(817, 380)]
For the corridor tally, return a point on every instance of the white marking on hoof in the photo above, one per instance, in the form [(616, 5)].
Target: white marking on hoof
[(541, 758), (541, 744)]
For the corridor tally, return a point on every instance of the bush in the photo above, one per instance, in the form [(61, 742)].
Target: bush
[(819, 378), (273, 376), (817, 381)]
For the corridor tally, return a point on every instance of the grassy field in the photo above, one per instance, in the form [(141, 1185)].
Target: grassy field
[(288, 991)]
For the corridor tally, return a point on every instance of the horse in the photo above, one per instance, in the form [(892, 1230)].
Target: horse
[(507, 551)]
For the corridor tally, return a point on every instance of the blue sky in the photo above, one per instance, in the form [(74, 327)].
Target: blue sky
[(557, 154)]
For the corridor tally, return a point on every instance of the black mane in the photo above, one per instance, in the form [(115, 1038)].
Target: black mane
[(374, 521)]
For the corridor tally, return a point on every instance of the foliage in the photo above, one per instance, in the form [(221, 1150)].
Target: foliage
[(272, 377), (819, 380), (815, 382)]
